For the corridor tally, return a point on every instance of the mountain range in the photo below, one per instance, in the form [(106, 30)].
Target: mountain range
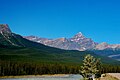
[(81, 43), (77, 42), (14, 47)]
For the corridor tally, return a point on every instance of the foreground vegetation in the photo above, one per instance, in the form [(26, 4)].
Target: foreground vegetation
[(90, 68)]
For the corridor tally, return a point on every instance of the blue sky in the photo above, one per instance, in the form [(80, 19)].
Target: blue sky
[(96, 19)]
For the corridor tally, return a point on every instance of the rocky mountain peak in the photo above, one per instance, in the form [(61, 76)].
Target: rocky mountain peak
[(4, 28), (79, 35)]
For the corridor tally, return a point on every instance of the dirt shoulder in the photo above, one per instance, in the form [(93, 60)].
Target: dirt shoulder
[(117, 75), (111, 76)]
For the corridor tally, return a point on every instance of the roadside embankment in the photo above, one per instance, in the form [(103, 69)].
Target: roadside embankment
[(111, 76)]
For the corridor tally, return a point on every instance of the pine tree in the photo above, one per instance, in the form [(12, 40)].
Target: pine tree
[(89, 67)]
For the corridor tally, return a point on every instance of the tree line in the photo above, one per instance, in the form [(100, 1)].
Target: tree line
[(15, 68), (8, 68)]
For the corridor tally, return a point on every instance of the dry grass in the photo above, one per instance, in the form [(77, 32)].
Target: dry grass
[(117, 75), (109, 77)]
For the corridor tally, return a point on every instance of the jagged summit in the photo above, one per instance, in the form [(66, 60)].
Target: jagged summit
[(7, 38), (4, 28), (78, 35)]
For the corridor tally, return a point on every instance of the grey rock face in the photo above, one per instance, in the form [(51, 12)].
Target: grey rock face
[(4, 28), (77, 42)]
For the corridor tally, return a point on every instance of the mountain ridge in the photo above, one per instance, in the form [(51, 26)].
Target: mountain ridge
[(79, 41), (66, 43)]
